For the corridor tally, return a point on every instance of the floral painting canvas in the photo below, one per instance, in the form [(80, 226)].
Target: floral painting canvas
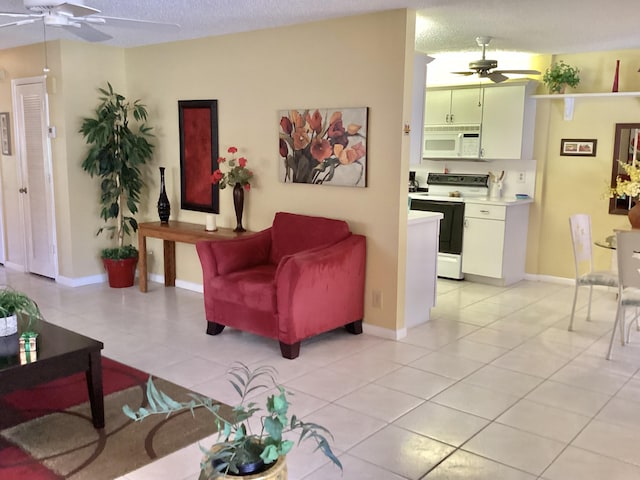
[(324, 146)]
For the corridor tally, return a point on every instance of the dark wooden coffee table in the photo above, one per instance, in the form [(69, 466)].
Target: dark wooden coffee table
[(61, 353)]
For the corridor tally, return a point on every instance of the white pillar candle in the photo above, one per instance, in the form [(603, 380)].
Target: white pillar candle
[(210, 224)]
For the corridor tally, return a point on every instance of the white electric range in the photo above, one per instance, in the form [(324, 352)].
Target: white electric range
[(446, 194)]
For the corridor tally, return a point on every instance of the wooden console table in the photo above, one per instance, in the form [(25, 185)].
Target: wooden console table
[(171, 233)]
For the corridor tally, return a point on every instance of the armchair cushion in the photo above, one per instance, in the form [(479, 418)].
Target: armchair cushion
[(253, 287), (291, 233), (241, 253)]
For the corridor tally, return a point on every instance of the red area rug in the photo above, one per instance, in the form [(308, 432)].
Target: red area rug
[(46, 433)]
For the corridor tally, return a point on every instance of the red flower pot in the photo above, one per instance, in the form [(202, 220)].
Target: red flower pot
[(122, 272)]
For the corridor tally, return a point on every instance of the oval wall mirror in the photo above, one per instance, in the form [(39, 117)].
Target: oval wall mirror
[(625, 150)]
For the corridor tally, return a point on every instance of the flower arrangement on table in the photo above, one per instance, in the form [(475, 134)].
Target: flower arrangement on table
[(238, 173), (314, 146), (627, 187)]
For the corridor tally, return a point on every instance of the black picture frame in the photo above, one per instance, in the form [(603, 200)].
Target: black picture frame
[(578, 147), (198, 125)]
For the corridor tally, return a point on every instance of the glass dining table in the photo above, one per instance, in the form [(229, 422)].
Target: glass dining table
[(608, 242)]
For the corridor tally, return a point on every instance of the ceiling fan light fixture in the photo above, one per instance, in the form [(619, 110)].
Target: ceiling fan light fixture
[(74, 13), (484, 67)]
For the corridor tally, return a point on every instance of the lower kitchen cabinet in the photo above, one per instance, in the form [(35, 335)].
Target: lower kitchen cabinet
[(494, 244), (423, 232)]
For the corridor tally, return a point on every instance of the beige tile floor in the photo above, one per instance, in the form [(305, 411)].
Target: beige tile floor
[(493, 387)]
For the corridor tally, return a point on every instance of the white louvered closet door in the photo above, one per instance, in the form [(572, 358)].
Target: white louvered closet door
[(36, 190)]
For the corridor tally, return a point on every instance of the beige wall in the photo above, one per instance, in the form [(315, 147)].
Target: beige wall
[(339, 63), (568, 185), (84, 68)]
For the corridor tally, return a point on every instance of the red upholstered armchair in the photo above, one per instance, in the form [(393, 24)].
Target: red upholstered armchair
[(300, 277)]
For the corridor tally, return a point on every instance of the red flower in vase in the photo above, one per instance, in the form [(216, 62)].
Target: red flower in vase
[(238, 173)]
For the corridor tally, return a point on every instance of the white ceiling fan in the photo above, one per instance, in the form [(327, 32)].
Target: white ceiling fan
[(74, 16), (484, 67)]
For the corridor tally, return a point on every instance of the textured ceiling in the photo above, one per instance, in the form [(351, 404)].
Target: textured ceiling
[(542, 26)]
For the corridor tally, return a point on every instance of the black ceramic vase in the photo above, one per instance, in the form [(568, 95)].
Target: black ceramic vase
[(238, 204), (164, 207)]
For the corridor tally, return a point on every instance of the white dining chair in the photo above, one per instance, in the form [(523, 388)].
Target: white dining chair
[(580, 225), (628, 252)]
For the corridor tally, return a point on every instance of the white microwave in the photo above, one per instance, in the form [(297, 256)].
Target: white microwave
[(451, 141)]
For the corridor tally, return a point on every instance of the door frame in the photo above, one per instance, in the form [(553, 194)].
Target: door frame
[(20, 159)]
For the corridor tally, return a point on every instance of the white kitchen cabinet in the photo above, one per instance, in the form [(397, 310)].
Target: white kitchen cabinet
[(453, 106), (420, 61), (494, 243), (508, 117)]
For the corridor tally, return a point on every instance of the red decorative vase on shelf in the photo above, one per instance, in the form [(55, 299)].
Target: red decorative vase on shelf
[(634, 215), (238, 204), (615, 77)]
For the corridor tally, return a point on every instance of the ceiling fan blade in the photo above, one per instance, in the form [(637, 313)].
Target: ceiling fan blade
[(464, 73), (15, 15), (496, 77), (20, 22), (523, 72), (92, 20), (76, 10), (142, 22), (88, 33)]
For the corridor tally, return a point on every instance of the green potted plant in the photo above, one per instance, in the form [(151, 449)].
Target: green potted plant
[(116, 154), (14, 304), (559, 75), (240, 450)]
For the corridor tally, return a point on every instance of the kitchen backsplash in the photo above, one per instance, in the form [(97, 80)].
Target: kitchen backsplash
[(512, 182)]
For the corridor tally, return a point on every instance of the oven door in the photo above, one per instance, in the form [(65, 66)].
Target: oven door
[(451, 226)]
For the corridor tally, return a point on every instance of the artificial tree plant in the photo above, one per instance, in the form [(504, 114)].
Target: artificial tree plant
[(118, 150)]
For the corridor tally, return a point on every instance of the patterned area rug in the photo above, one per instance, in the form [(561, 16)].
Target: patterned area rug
[(46, 432)]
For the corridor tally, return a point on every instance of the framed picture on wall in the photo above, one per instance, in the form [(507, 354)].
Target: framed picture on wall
[(323, 146), (5, 133), (198, 124), (578, 147)]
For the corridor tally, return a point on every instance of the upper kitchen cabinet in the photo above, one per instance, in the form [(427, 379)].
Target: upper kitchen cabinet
[(508, 119), (453, 106)]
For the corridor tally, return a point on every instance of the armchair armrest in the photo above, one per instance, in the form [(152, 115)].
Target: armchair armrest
[(220, 257), (321, 289)]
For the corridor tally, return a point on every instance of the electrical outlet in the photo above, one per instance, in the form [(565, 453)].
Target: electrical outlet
[(522, 177), (376, 299)]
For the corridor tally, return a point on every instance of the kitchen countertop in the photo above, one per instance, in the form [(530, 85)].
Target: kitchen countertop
[(503, 201), (418, 216)]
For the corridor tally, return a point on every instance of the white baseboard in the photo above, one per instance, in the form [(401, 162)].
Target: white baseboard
[(549, 279), (194, 287), (564, 281), (14, 266), (383, 332), (81, 281)]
